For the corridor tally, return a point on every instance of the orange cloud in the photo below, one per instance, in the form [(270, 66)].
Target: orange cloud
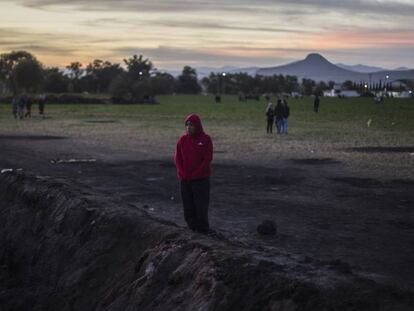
[(361, 39)]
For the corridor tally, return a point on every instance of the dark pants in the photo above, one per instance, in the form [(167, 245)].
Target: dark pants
[(269, 128), (196, 197)]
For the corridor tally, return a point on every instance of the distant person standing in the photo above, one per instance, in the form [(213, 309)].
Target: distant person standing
[(41, 102), (193, 158), (14, 107), (28, 104), (270, 114), (316, 103), (285, 117), (279, 115), (21, 103)]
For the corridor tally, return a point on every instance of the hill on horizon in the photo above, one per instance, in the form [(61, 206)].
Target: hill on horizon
[(362, 68), (318, 68)]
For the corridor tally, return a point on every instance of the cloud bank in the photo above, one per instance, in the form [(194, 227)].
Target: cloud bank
[(212, 32)]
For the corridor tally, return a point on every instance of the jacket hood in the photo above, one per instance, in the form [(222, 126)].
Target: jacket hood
[(196, 121)]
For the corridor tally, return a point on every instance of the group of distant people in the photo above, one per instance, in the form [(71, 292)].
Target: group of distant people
[(22, 106), (278, 115)]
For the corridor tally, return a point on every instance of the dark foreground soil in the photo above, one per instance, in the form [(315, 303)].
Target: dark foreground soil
[(106, 232)]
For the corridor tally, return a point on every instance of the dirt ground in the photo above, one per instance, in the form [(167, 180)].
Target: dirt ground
[(326, 212)]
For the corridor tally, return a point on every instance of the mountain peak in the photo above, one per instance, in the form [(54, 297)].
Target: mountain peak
[(318, 68), (315, 57)]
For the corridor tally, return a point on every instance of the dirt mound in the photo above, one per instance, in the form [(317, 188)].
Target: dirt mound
[(64, 248)]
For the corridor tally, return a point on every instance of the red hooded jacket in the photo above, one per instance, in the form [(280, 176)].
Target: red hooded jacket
[(194, 152)]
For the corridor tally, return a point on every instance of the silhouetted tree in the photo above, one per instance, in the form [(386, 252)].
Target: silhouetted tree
[(267, 84), (99, 75), (138, 67), (27, 75), (292, 84), (319, 88), (162, 83), (75, 72), (8, 62), (142, 89), (348, 85), (121, 88), (55, 81), (207, 84), (308, 86), (187, 81), (245, 83)]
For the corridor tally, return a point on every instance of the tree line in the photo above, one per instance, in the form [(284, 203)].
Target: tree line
[(137, 78), (21, 72)]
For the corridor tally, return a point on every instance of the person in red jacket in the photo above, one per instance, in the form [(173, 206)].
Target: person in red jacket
[(193, 162)]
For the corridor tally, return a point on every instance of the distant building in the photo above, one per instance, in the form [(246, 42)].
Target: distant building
[(331, 93), (341, 93), (337, 87), (403, 94), (349, 93)]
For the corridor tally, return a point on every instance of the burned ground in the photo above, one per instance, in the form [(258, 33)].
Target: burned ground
[(332, 223)]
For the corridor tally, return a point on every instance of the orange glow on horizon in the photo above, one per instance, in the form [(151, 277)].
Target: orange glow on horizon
[(349, 40)]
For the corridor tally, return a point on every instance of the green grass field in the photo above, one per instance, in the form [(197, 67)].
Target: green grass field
[(238, 128), (343, 117)]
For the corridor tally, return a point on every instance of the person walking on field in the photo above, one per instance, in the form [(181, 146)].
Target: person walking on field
[(270, 117), (193, 158), (316, 103), (285, 117)]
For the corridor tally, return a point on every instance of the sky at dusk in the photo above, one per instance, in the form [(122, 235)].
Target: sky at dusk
[(213, 33)]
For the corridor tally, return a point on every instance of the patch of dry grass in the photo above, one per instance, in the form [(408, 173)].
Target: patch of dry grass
[(238, 130)]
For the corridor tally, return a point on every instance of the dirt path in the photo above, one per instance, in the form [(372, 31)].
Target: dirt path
[(325, 213)]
